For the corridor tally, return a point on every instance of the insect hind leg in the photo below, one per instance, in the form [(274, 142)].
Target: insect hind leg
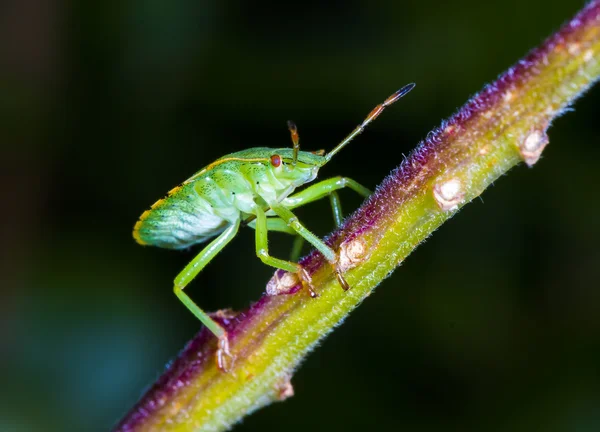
[(189, 273)]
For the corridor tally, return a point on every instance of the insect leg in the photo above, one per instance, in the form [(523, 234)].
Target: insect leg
[(190, 271), (274, 224), (262, 247), (323, 188), (292, 221), (278, 224), (336, 207), (297, 248)]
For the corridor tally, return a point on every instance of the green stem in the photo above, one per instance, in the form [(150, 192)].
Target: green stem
[(503, 125)]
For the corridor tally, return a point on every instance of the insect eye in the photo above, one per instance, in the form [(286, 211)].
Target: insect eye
[(275, 160)]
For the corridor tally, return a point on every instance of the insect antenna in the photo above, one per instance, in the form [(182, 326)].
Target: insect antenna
[(295, 140), (372, 116)]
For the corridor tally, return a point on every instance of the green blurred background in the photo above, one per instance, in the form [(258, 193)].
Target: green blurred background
[(492, 325)]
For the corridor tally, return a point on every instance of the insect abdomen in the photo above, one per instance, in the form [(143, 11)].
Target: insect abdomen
[(178, 221), (204, 205)]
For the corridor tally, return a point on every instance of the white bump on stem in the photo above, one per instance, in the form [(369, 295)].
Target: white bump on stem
[(351, 254), (532, 146), (448, 194), (284, 388), (588, 55), (282, 284), (573, 48)]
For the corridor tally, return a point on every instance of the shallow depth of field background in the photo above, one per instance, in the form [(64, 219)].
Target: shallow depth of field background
[(492, 325)]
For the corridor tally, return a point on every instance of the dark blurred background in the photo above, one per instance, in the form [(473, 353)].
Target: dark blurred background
[(491, 325)]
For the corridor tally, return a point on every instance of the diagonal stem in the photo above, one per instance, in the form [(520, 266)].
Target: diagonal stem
[(503, 125)]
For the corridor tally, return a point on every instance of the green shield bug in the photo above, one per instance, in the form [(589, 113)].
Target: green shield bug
[(251, 187)]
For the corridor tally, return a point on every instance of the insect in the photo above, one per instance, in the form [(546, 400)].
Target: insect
[(251, 187)]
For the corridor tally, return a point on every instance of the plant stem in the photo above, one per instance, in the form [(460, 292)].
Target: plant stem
[(503, 125)]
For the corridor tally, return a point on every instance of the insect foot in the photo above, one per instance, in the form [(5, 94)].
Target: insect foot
[(352, 253), (340, 277), (225, 359), (307, 281), (223, 356)]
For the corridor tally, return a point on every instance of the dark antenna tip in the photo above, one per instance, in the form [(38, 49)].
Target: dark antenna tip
[(402, 92), (372, 116), (408, 87)]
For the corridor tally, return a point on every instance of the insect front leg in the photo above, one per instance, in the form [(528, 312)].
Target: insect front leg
[(278, 224), (262, 247), (190, 272), (321, 190), (327, 252)]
